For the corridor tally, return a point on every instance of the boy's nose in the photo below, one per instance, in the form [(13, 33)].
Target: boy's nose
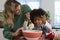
[(37, 21)]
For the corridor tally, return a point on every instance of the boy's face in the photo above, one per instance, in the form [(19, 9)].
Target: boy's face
[(37, 21), (43, 19)]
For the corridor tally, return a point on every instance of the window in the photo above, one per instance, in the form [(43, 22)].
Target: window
[(34, 4), (57, 14)]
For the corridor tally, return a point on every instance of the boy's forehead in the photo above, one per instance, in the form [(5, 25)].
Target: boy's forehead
[(43, 16), (37, 17)]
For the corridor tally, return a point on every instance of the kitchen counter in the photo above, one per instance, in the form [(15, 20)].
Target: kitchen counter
[(57, 31)]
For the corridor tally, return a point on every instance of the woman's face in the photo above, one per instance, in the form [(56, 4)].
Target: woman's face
[(37, 21), (18, 10), (27, 15)]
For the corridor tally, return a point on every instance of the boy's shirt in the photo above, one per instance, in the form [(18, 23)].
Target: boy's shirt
[(41, 28), (26, 24), (37, 28), (48, 26)]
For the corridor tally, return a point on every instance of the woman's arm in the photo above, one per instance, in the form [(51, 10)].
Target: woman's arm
[(7, 32)]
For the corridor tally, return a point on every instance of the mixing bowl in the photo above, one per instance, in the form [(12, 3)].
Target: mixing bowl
[(32, 34)]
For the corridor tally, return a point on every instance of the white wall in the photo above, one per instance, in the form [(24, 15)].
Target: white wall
[(2, 5), (48, 5)]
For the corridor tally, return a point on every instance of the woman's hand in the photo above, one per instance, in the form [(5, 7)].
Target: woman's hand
[(18, 31), (22, 28)]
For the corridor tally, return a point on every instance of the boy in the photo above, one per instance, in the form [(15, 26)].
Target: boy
[(43, 19), (35, 17)]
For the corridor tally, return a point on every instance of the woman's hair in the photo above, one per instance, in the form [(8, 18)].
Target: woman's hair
[(16, 3), (9, 9)]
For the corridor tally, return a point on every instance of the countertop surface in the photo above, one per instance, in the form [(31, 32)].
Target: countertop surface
[(57, 31)]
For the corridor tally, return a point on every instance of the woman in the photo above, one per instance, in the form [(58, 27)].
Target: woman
[(12, 15)]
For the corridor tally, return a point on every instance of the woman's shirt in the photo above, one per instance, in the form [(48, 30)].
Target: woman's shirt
[(8, 30)]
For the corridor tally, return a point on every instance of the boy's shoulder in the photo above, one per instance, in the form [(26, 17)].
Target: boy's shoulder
[(48, 25)]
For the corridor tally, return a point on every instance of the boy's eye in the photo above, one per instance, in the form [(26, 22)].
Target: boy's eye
[(37, 19)]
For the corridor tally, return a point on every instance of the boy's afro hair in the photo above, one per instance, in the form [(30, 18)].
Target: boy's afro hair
[(42, 12), (37, 13)]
